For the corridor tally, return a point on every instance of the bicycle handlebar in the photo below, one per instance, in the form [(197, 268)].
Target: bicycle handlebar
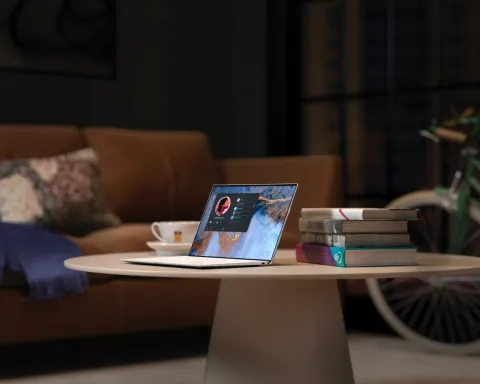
[(451, 135)]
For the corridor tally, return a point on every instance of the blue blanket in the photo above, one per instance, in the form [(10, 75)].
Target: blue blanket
[(39, 255)]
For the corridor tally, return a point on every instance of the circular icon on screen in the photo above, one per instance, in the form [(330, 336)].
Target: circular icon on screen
[(223, 205)]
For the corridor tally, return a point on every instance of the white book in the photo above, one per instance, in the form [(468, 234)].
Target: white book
[(359, 214)]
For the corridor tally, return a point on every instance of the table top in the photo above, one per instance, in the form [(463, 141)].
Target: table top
[(284, 267)]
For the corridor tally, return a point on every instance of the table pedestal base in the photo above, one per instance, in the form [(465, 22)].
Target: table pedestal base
[(278, 332)]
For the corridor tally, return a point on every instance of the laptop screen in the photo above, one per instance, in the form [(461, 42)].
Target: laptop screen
[(243, 221)]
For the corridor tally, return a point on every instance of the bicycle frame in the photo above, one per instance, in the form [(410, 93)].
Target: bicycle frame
[(460, 192)]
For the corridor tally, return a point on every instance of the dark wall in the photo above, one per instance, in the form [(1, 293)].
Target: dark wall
[(182, 64), (217, 79)]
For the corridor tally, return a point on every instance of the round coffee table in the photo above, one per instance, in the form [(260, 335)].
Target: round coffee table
[(278, 324)]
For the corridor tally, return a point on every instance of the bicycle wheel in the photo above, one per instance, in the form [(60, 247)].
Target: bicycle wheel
[(441, 314)]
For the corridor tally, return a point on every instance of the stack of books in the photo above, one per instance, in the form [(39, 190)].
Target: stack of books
[(354, 237)]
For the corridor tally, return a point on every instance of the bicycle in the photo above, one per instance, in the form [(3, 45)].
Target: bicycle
[(442, 314)]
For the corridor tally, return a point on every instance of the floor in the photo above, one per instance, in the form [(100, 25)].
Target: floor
[(378, 357), (376, 360)]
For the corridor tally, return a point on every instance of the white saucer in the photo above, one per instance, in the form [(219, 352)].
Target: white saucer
[(170, 248)]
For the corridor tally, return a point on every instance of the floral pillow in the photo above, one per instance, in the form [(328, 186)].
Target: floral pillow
[(62, 193)]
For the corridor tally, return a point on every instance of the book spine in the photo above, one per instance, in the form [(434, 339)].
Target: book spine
[(321, 226), (319, 254), (359, 214), (365, 240), (321, 238)]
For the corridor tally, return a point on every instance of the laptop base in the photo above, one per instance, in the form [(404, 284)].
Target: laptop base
[(197, 262)]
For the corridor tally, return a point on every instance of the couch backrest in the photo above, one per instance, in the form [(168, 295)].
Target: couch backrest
[(154, 175), (146, 175), (319, 178), (23, 141), (168, 175)]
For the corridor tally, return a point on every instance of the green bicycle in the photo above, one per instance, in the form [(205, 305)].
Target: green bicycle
[(441, 313)]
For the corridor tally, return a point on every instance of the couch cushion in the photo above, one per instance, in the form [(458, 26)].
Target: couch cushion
[(154, 175), (22, 141), (125, 238)]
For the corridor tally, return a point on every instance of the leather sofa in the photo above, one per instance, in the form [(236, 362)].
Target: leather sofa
[(146, 176)]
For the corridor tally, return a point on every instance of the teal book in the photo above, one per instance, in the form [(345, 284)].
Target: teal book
[(355, 257)]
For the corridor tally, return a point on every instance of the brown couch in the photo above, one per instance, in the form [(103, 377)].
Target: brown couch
[(146, 176)]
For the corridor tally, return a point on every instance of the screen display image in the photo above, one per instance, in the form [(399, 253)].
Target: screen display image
[(243, 222)]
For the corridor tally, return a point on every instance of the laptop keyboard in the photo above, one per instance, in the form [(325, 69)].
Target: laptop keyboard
[(197, 261)]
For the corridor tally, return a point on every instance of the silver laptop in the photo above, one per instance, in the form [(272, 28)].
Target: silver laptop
[(241, 226)]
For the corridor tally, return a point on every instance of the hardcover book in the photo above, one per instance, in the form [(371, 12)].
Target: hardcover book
[(340, 227), (359, 213), (355, 257), (356, 239)]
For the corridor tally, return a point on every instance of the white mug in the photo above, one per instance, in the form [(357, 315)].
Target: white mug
[(175, 231)]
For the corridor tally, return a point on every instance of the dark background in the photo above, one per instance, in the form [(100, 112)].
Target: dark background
[(374, 72), (357, 78), (181, 64)]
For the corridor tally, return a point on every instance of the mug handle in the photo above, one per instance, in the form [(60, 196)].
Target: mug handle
[(155, 228)]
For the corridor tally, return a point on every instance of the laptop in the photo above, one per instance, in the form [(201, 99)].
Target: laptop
[(241, 226)]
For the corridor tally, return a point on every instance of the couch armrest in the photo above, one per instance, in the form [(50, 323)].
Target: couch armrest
[(319, 178), (128, 237)]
